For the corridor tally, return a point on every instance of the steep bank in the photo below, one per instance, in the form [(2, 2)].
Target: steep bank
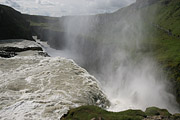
[(166, 40), (48, 29), (13, 25)]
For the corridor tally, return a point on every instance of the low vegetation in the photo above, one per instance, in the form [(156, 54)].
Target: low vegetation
[(96, 113)]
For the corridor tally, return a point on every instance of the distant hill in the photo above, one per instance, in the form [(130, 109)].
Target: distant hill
[(13, 25)]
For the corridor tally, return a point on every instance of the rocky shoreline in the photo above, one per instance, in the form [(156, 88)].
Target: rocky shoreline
[(12, 47)]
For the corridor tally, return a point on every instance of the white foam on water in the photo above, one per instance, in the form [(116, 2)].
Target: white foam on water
[(44, 88)]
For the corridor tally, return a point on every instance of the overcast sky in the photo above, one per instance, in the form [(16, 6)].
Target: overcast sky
[(66, 7)]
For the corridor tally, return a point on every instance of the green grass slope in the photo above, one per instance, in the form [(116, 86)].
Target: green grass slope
[(165, 39), (161, 20)]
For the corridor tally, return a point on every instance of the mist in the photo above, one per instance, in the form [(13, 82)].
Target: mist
[(111, 47)]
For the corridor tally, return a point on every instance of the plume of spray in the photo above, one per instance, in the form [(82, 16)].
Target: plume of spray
[(111, 47)]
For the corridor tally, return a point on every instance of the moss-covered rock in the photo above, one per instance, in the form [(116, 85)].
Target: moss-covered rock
[(96, 113), (176, 116), (153, 111)]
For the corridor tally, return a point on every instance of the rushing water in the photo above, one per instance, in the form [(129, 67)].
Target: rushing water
[(44, 88)]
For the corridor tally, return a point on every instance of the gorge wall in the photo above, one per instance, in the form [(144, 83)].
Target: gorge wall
[(164, 13)]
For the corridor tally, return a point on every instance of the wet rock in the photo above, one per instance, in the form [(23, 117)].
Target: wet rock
[(43, 54), (5, 54), (16, 49), (12, 47)]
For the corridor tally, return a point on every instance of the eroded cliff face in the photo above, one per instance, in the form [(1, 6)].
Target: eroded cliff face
[(37, 87)]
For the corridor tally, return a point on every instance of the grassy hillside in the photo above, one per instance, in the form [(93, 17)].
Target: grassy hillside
[(43, 21), (168, 16), (162, 18), (13, 25), (166, 39), (48, 29), (165, 29)]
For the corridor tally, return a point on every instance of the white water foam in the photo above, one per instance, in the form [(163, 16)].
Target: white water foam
[(44, 88)]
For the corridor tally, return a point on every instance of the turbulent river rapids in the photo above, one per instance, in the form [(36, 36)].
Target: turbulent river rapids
[(36, 87)]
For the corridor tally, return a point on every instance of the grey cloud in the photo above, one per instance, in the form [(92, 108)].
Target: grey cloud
[(66, 7), (12, 4)]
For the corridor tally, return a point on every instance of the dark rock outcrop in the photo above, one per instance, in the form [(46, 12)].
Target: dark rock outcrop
[(48, 29), (8, 52), (4, 54), (16, 49), (43, 54), (12, 47)]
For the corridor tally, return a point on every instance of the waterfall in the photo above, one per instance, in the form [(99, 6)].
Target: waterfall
[(114, 49)]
